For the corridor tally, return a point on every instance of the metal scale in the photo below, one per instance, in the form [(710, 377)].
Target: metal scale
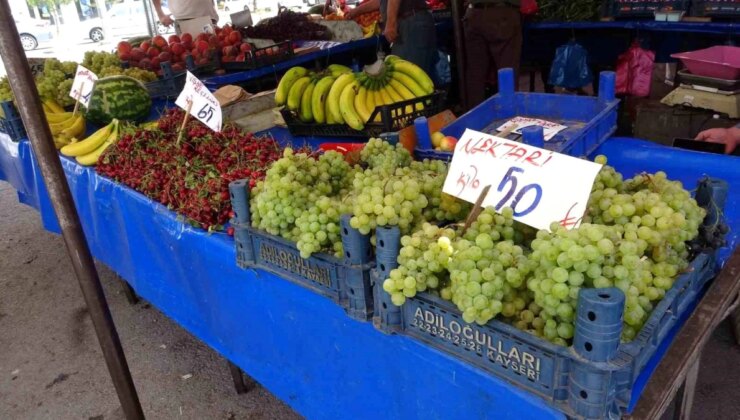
[(719, 95)]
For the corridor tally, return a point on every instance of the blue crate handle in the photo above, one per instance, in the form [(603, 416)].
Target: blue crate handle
[(711, 193), (357, 254), (534, 136), (607, 86), (597, 336), (387, 246), (239, 194), (423, 137)]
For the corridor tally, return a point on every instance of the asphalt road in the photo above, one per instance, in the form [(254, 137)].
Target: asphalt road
[(51, 366)]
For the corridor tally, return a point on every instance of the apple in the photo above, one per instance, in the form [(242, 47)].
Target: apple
[(173, 39), (245, 47), (448, 144), (186, 38), (159, 41), (152, 52), (437, 138), (177, 49), (124, 47), (145, 45)]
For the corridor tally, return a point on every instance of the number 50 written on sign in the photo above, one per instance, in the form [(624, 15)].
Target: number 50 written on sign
[(470, 179)]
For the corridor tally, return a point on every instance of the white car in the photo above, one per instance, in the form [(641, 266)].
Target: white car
[(33, 31), (123, 20)]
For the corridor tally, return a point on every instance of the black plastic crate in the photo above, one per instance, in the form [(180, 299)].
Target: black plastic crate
[(169, 85), (11, 124), (394, 117), (646, 8), (260, 57), (716, 8)]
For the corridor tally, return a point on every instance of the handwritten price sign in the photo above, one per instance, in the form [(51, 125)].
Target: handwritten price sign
[(196, 99), (82, 85), (541, 186)]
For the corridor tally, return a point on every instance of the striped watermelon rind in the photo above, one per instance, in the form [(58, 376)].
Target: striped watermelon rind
[(120, 97)]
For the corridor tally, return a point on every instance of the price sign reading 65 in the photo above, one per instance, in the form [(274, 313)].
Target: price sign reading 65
[(539, 185), (196, 99)]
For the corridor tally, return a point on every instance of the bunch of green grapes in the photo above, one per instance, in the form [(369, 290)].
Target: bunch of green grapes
[(423, 261), (387, 198), (380, 154), (296, 189), (145, 76), (317, 228), (96, 61), (6, 94), (442, 207), (488, 270)]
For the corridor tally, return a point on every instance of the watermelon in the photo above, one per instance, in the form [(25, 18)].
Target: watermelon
[(121, 97)]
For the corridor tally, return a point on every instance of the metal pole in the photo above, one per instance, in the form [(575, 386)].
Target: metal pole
[(457, 14), (151, 23), (29, 104)]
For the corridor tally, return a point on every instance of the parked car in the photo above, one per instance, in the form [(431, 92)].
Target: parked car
[(123, 20), (33, 31)]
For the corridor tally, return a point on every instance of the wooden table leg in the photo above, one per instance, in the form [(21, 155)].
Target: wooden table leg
[(685, 396)]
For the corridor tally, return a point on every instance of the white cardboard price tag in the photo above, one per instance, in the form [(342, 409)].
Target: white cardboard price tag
[(540, 185), (202, 104), (550, 129), (82, 85)]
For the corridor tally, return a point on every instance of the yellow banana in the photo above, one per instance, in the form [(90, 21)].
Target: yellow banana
[(370, 101), (337, 70), (91, 143), (46, 108), (409, 83), (286, 82), (151, 125), (405, 94), (62, 140), (327, 114), (386, 97), (306, 113), (53, 106), (318, 99), (395, 97), (415, 72), (361, 104), (54, 118), (347, 104), (77, 129), (92, 158), (296, 93), (335, 92), (57, 128)]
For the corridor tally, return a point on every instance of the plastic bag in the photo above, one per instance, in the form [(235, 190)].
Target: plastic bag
[(570, 67), (635, 71), (528, 7), (443, 75)]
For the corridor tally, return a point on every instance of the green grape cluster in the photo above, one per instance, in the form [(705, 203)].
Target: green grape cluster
[(6, 94), (422, 261), (317, 228), (297, 190), (96, 61), (380, 154), (142, 75), (488, 270)]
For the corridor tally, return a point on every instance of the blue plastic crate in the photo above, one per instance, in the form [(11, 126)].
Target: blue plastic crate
[(345, 281), (590, 120), (11, 124), (593, 378)]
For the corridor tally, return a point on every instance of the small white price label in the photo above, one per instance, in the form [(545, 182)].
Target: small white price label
[(541, 186), (200, 102), (82, 85)]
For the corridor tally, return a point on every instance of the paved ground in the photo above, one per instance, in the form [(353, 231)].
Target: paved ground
[(51, 366)]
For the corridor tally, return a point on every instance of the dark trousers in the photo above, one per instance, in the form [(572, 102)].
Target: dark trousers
[(493, 41), (417, 41)]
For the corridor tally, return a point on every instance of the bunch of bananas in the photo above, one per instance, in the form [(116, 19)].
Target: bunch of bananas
[(338, 96), (64, 126), (88, 151)]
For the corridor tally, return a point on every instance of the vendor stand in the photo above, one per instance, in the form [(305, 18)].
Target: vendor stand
[(303, 347)]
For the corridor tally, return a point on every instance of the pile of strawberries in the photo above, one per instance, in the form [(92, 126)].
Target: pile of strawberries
[(191, 178)]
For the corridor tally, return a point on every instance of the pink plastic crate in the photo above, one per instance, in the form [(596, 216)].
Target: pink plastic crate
[(721, 62)]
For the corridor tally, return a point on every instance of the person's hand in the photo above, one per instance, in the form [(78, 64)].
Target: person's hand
[(391, 33), (727, 136), (165, 20)]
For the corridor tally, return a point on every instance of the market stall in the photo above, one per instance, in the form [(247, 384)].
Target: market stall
[(517, 259)]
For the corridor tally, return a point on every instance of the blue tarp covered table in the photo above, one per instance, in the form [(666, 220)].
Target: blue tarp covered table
[(300, 346)]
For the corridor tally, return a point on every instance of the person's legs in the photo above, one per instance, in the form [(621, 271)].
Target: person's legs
[(417, 41), (476, 56), (505, 38)]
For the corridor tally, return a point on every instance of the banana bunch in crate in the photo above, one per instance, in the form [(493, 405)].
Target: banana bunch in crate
[(64, 126), (339, 96)]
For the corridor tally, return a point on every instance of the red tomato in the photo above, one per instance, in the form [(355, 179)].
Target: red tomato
[(235, 37), (202, 46), (152, 52), (186, 38), (137, 54), (145, 45), (165, 56), (174, 39), (124, 47), (177, 49), (159, 41)]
